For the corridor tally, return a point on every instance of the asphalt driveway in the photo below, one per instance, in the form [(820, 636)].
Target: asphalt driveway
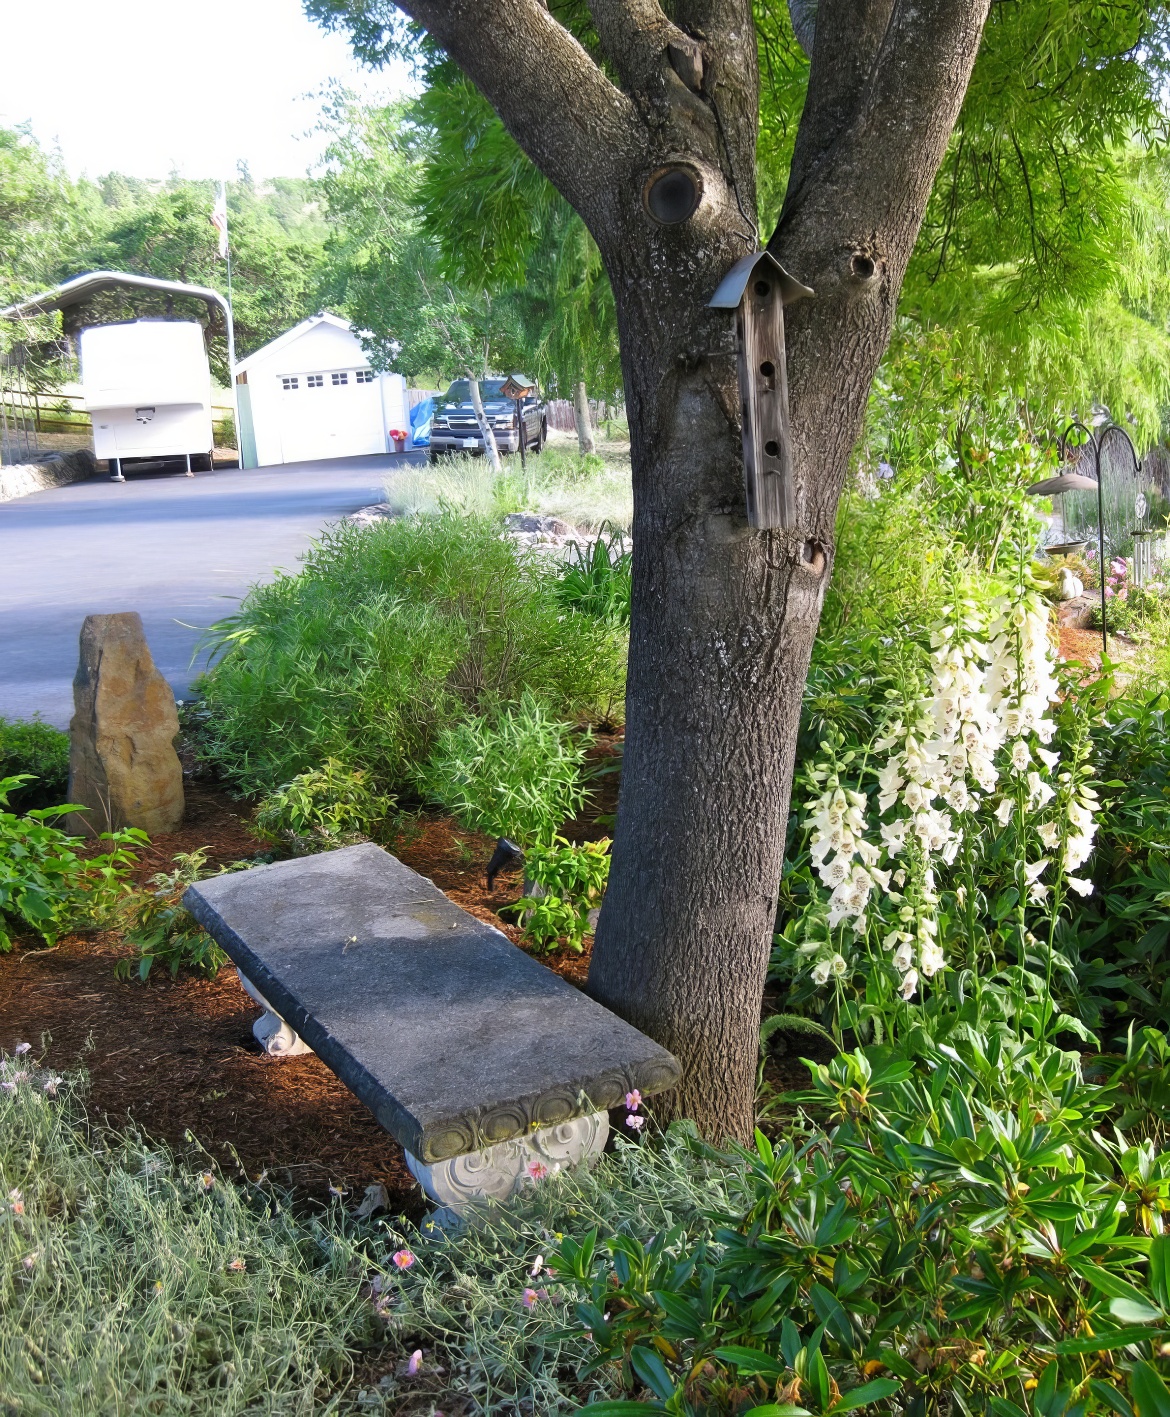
[(181, 551)]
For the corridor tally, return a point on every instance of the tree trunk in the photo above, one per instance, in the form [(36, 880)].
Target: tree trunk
[(491, 451), (723, 617), (585, 441)]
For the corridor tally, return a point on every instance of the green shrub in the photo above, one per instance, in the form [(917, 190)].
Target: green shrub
[(597, 580), (572, 879), (324, 807), (516, 773), (884, 580), (388, 635), (42, 752), (164, 933), (44, 884), (951, 1231)]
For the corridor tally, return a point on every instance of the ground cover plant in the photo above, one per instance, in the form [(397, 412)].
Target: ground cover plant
[(133, 1279), (130, 1283), (388, 635)]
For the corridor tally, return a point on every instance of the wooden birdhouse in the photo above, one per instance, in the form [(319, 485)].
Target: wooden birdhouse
[(757, 288)]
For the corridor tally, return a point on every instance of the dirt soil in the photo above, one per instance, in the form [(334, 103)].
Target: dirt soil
[(177, 1058)]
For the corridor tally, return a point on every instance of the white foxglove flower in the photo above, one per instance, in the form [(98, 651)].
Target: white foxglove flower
[(1021, 758), (1049, 834), (1080, 886), (837, 966), (1004, 811), (820, 973), (1039, 791), (931, 960), (910, 985)]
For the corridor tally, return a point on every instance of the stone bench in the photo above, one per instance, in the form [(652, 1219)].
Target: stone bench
[(487, 1067)]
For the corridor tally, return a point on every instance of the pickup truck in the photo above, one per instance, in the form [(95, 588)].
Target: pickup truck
[(455, 429)]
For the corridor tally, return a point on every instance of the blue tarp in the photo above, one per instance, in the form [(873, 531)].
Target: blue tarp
[(420, 423)]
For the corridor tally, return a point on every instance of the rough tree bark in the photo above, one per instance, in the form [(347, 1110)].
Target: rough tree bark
[(723, 617), (585, 443)]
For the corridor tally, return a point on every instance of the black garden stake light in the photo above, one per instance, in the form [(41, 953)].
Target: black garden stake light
[(1073, 481)]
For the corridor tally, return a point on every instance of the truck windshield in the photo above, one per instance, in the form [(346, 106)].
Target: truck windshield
[(460, 390)]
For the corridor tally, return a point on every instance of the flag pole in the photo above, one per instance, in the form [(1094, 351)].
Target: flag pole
[(226, 253)]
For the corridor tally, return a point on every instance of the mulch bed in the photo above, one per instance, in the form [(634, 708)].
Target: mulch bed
[(177, 1059)]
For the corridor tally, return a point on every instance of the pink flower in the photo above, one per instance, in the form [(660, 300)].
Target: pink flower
[(532, 1297), (238, 1266), (206, 1180), (534, 1272), (338, 1191), (8, 1086), (52, 1084), (633, 1100), (21, 1048), (537, 1170), (17, 1202), (403, 1259), (415, 1363), (637, 1123)]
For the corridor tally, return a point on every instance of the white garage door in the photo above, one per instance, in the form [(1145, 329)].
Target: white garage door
[(334, 413)]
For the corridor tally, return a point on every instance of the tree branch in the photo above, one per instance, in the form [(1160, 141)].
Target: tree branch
[(575, 125), (887, 78), (653, 56)]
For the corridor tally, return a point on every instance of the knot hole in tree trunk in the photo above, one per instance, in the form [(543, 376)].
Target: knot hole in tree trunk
[(812, 558), (862, 267)]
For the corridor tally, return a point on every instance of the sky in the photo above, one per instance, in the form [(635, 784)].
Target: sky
[(148, 87)]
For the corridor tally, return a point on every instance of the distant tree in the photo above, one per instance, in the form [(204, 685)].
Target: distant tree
[(43, 215), (166, 233)]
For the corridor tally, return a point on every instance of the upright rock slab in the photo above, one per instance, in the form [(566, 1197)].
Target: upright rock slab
[(122, 761)]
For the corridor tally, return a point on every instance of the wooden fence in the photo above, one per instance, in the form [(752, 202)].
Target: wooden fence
[(62, 413)]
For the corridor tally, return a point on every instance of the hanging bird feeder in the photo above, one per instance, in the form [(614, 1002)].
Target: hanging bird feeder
[(757, 288)]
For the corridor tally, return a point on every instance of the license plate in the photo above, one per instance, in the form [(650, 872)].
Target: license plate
[(471, 442)]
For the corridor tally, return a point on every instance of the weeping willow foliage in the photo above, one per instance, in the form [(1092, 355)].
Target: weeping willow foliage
[(1042, 268)]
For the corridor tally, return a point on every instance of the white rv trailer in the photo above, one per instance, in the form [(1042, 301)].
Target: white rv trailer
[(147, 386)]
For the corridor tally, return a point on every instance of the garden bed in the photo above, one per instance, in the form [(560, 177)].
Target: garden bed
[(176, 1057)]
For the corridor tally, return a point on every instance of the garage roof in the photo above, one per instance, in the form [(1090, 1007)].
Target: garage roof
[(291, 336)]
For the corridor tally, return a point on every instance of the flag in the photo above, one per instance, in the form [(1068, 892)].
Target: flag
[(219, 221)]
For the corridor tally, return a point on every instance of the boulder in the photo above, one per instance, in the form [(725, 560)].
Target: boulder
[(123, 765)]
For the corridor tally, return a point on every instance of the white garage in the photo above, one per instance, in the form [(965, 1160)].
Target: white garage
[(311, 394)]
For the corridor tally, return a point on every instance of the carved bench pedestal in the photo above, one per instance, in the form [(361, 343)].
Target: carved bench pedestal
[(271, 1032), (501, 1170)]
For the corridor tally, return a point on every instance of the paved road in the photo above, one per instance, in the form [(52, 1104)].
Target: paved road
[(180, 551)]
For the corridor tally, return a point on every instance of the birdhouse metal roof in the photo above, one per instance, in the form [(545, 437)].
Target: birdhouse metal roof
[(735, 282)]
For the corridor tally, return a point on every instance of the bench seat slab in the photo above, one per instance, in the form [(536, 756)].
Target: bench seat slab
[(455, 1039)]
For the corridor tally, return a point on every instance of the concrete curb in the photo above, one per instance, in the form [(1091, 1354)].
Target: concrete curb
[(57, 470)]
